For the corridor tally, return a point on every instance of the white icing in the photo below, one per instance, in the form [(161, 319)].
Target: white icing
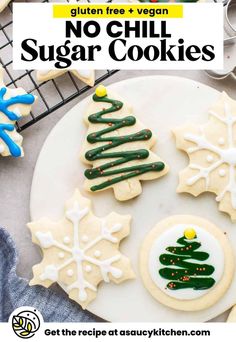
[(70, 272), (209, 244), (224, 156), (78, 254), (17, 112), (107, 234), (209, 158), (88, 268), (61, 255), (221, 141), (45, 239), (222, 172), (66, 240), (50, 273), (85, 238), (97, 253)]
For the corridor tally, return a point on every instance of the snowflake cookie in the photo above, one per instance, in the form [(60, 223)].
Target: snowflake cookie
[(118, 148), (14, 104), (212, 153), (186, 263), (86, 76), (81, 250)]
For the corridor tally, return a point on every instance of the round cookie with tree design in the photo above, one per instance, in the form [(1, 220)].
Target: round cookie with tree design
[(186, 263)]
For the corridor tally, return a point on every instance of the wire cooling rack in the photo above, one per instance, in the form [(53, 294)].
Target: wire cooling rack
[(52, 94)]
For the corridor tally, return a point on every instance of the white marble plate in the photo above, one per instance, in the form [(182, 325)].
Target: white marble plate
[(161, 103)]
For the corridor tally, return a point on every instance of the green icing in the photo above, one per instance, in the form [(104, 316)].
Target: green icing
[(186, 274), (110, 142)]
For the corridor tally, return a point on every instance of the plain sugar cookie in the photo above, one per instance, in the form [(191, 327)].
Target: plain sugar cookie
[(86, 76), (186, 263)]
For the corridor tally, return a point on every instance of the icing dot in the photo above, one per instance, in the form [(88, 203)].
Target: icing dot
[(70, 272), (97, 253), (101, 91), (88, 268), (209, 158), (189, 182), (221, 141), (66, 239), (222, 172), (2, 148), (85, 238), (189, 234), (61, 255)]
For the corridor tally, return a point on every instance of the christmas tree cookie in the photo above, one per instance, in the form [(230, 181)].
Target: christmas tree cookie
[(14, 104), (186, 263), (212, 155), (118, 148), (86, 76), (81, 250)]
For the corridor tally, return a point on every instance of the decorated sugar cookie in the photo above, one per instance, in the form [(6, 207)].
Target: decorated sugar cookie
[(86, 76), (81, 250), (118, 148), (212, 155), (186, 263), (3, 4), (14, 104)]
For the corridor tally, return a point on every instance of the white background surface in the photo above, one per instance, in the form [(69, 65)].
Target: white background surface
[(161, 103), (16, 175)]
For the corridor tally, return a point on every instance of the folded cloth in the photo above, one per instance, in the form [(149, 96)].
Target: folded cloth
[(15, 291)]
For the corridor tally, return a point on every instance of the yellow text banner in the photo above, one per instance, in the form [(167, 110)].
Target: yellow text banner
[(139, 11)]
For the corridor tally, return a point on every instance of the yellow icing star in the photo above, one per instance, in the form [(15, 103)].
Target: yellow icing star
[(190, 233), (101, 91)]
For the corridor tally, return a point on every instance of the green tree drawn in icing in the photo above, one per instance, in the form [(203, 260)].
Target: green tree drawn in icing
[(106, 140), (182, 271)]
